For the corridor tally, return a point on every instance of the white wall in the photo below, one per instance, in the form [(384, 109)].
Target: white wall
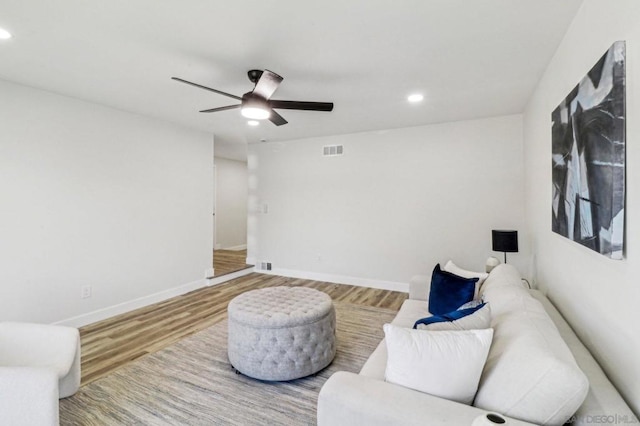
[(598, 296), (231, 204), (95, 196), (394, 205)]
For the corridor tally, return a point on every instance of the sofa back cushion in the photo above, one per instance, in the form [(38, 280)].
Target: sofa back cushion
[(530, 373), (502, 275)]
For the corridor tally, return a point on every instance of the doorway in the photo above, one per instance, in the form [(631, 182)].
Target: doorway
[(228, 261), (230, 216)]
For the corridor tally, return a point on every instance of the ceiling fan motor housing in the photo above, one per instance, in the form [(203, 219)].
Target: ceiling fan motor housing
[(254, 75)]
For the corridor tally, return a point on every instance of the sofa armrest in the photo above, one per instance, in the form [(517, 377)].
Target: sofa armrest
[(39, 345), (419, 287), (352, 399), (28, 396)]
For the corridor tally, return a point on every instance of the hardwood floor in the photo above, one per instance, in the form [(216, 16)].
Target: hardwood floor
[(227, 261), (112, 343)]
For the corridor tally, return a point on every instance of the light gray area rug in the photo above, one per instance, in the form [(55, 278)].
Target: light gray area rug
[(192, 383)]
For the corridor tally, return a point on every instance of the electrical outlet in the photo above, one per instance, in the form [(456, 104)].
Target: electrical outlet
[(85, 292), (268, 266)]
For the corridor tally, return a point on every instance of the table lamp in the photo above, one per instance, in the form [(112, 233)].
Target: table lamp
[(505, 241)]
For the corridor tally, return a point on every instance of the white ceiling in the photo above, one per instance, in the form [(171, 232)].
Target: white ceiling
[(470, 58)]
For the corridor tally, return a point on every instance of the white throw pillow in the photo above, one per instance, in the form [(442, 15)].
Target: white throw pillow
[(447, 364), (456, 270), (478, 320)]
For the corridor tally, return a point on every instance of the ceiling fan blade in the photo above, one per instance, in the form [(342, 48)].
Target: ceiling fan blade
[(305, 106), (267, 85), (277, 119), (207, 88), (224, 108)]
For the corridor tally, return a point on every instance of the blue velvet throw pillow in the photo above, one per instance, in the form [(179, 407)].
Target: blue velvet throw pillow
[(449, 316), (449, 292)]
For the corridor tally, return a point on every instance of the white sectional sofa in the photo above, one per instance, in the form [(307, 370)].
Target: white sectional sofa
[(536, 372)]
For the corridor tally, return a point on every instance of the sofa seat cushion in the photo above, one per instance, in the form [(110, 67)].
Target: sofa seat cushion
[(530, 373), (410, 312)]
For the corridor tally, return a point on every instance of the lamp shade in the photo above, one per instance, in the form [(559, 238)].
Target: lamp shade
[(505, 241)]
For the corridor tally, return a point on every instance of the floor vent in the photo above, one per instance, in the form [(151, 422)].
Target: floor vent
[(332, 150)]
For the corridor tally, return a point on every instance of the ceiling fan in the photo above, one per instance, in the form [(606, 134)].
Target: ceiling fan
[(258, 104)]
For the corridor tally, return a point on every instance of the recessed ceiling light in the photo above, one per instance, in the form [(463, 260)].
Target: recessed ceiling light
[(253, 123), (4, 34), (416, 97)]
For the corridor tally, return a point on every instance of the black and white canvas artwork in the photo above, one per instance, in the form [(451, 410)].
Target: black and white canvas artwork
[(588, 158)]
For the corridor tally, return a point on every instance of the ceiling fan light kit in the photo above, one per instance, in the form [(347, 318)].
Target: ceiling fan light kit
[(257, 104), (254, 107), (255, 113)]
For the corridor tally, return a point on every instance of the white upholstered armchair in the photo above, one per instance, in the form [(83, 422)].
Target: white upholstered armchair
[(38, 364)]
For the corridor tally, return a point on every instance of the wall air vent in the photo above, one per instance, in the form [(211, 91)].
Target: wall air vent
[(332, 150), (264, 266)]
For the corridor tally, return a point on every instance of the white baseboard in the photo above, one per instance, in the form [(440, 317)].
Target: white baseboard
[(141, 302), (229, 276), (121, 308), (340, 279)]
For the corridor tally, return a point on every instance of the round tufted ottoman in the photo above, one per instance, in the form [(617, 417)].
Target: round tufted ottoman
[(281, 333)]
